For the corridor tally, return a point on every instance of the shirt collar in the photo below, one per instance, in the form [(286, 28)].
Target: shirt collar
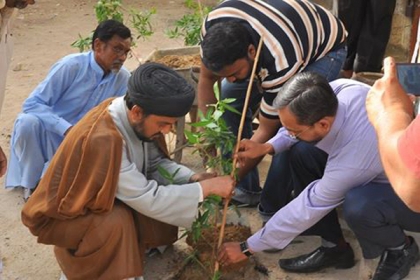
[(96, 67)]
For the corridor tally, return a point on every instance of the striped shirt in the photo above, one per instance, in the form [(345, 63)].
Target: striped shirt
[(296, 33)]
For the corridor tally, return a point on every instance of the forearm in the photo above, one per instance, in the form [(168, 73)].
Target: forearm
[(249, 163), (266, 130), (391, 126), (205, 89), (172, 204)]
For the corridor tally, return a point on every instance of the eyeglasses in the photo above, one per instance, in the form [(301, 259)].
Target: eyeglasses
[(120, 51), (296, 136)]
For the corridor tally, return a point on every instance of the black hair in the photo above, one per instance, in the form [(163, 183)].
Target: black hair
[(108, 28), (130, 104), (308, 96), (224, 43)]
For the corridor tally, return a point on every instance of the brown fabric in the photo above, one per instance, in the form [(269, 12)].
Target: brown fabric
[(108, 246), (82, 175), (153, 233), (72, 206), (100, 246)]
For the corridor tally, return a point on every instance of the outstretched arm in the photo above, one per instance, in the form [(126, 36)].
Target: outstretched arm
[(205, 91), (390, 110)]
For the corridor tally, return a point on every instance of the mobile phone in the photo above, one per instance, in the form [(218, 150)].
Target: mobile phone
[(409, 77)]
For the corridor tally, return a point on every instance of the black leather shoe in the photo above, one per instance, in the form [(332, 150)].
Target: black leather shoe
[(396, 264), (320, 258)]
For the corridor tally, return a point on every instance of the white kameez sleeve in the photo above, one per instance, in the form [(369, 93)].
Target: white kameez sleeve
[(173, 204)]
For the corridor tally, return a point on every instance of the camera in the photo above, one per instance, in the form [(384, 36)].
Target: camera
[(409, 77)]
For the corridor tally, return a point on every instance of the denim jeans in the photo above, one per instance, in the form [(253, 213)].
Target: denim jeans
[(378, 218), (328, 66)]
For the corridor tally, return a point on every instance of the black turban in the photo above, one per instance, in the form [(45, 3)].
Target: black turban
[(159, 90)]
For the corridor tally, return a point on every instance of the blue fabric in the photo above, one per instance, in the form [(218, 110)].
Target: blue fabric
[(296, 33), (73, 86), (328, 66), (353, 160), (293, 170), (250, 184), (378, 218)]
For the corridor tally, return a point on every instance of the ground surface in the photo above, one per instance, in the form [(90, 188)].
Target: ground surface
[(43, 34)]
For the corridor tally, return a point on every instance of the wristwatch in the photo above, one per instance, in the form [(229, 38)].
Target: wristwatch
[(245, 249)]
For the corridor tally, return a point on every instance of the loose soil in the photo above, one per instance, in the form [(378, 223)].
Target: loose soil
[(202, 266), (180, 61), (43, 34)]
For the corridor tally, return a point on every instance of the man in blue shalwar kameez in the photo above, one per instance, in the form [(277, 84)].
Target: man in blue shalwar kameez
[(74, 85)]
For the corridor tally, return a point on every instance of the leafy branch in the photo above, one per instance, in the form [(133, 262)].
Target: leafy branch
[(212, 132), (113, 9), (189, 26)]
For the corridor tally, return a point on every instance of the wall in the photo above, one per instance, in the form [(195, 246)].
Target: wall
[(399, 42)]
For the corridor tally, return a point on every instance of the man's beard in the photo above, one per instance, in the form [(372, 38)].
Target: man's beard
[(246, 79), (116, 66), (138, 130)]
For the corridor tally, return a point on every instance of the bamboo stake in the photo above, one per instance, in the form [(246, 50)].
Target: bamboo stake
[(238, 140), (200, 8)]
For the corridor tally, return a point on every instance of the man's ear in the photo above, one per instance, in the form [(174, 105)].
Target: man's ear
[(136, 113), (97, 44), (252, 51), (325, 123)]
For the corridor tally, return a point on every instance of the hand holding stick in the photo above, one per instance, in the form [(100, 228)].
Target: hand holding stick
[(238, 140)]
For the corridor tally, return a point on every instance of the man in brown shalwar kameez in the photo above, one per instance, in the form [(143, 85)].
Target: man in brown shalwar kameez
[(102, 201)]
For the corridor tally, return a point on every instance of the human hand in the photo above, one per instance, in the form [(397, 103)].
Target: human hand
[(202, 176), (387, 95), (3, 163), (230, 253), (222, 186), (249, 149)]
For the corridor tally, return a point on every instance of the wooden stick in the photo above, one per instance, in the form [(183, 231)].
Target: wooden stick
[(200, 8), (238, 140)]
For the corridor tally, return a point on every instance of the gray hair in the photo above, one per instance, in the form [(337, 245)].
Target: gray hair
[(308, 96)]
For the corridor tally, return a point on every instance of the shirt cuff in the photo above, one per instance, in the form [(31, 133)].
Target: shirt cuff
[(62, 126), (281, 141), (201, 195), (256, 244)]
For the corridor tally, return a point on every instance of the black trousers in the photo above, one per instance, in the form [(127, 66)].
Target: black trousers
[(378, 217), (368, 23), (293, 170)]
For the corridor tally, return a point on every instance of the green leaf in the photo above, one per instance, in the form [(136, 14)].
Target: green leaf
[(201, 123), (228, 100), (163, 172), (212, 126), (217, 114), (230, 108), (216, 91), (192, 137)]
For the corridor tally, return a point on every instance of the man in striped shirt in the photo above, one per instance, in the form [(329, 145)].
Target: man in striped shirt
[(297, 36)]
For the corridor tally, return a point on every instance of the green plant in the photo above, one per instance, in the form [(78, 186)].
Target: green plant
[(113, 9), (168, 176), (189, 26), (212, 133)]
